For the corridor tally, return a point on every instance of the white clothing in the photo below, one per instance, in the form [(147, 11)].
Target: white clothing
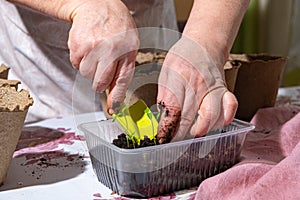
[(35, 47)]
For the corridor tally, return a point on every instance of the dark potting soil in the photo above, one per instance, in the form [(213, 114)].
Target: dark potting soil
[(123, 142), (175, 176)]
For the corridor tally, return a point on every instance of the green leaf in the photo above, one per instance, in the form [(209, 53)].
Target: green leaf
[(157, 116), (123, 109), (148, 112), (114, 117)]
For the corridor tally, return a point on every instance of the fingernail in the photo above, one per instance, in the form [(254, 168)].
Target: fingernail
[(162, 140), (110, 111), (100, 90)]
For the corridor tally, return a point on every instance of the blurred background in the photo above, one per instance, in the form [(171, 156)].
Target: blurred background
[(269, 26)]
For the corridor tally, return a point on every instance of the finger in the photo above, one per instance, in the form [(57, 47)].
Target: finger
[(167, 96), (90, 64), (77, 50), (172, 81), (119, 85), (230, 105), (103, 76), (183, 128), (209, 112), (170, 110), (168, 124), (170, 97), (189, 111), (75, 59)]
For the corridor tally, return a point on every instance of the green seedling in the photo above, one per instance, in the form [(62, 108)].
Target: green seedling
[(137, 121), (143, 117), (132, 138), (124, 119), (149, 114), (157, 116)]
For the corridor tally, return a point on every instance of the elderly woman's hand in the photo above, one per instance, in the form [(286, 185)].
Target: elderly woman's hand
[(103, 43), (192, 83)]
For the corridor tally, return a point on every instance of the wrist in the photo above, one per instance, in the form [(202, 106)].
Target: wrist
[(60, 9), (69, 9), (215, 44), (85, 7), (214, 24)]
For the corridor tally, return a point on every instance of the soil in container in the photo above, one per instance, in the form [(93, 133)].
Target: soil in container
[(185, 172)]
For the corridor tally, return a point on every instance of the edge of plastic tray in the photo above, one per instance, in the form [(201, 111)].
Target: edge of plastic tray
[(247, 127)]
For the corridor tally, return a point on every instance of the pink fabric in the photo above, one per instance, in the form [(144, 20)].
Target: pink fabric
[(270, 164)]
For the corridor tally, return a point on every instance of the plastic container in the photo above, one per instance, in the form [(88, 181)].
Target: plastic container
[(161, 169)]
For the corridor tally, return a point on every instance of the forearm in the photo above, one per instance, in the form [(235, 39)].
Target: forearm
[(61, 9), (215, 23), (67, 9)]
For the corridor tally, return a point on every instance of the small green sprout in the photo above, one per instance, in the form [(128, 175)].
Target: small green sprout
[(122, 113), (135, 120), (131, 137), (157, 116), (149, 114)]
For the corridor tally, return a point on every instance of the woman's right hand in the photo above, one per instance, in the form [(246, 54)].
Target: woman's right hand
[(103, 43)]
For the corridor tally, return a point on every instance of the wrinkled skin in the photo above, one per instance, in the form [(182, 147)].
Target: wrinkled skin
[(191, 83), (103, 46)]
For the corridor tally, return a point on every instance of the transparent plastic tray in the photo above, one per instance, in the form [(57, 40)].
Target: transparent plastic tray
[(156, 170)]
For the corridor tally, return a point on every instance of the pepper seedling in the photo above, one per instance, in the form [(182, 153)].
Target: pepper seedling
[(150, 115), (123, 118), (137, 121)]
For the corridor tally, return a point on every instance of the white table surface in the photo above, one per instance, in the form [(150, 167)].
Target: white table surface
[(59, 168)]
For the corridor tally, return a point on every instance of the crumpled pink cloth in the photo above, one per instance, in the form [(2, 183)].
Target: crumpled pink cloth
[(270, 163)]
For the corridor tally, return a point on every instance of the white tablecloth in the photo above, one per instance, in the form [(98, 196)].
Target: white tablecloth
[(52, 162)]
